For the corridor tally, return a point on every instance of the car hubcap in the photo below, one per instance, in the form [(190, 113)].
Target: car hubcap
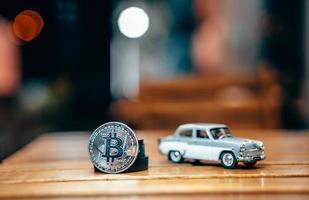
[(228, 159), (176, 156)]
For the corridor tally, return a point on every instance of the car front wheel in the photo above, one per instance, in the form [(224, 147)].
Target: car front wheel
[(228, 160), (175, 156)]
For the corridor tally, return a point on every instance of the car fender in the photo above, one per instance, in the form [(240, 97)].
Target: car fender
[(227, 150), (169, 146)]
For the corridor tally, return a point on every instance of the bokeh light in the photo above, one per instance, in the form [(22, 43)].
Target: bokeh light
[(27, 25), (133, 22)]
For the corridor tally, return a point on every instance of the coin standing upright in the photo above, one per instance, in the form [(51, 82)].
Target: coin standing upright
[(113, 147)]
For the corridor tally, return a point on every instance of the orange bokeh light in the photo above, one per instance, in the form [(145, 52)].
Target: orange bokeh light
[(27, 25)]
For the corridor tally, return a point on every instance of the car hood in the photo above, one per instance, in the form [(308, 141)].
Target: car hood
[(250, 144)]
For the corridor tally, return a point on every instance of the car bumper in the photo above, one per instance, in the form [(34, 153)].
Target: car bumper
[(251, 156)]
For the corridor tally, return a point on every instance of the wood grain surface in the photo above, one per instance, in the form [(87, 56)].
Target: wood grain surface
[(57, 166)]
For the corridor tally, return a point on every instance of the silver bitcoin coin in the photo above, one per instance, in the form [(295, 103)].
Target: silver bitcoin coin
[(113, 147)]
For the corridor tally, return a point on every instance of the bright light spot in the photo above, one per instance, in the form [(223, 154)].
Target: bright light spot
[(133, 22)]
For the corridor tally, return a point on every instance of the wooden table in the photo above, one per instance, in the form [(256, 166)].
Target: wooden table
[(57, 166)]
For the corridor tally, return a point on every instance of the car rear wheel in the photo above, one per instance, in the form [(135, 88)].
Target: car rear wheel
[(175, 156), (228, 160)]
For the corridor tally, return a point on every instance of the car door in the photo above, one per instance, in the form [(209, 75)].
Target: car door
[(201, 146)]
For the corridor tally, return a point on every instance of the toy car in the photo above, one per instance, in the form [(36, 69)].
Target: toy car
[(212, 142)]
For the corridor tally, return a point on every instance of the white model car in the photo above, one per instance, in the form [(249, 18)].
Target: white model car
[(212, 142)]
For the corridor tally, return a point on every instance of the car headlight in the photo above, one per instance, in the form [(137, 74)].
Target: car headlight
[(262, 147), (242, 148)]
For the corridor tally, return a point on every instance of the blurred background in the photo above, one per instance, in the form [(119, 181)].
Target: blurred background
[(69, 65)]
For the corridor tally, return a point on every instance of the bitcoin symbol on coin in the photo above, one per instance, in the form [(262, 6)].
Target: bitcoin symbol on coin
[(113, 147), (109, 146)]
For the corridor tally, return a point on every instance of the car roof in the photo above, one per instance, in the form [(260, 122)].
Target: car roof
[(201, 126)]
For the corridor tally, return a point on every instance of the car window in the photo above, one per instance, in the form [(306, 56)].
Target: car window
[(220, 132), (201, 134), (186, 133)]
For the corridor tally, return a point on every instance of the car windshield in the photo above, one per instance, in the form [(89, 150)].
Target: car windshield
[(219, 133)]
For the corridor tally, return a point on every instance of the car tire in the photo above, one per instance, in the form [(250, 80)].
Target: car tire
[(228, 160), (175, 156), (250, 164)]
